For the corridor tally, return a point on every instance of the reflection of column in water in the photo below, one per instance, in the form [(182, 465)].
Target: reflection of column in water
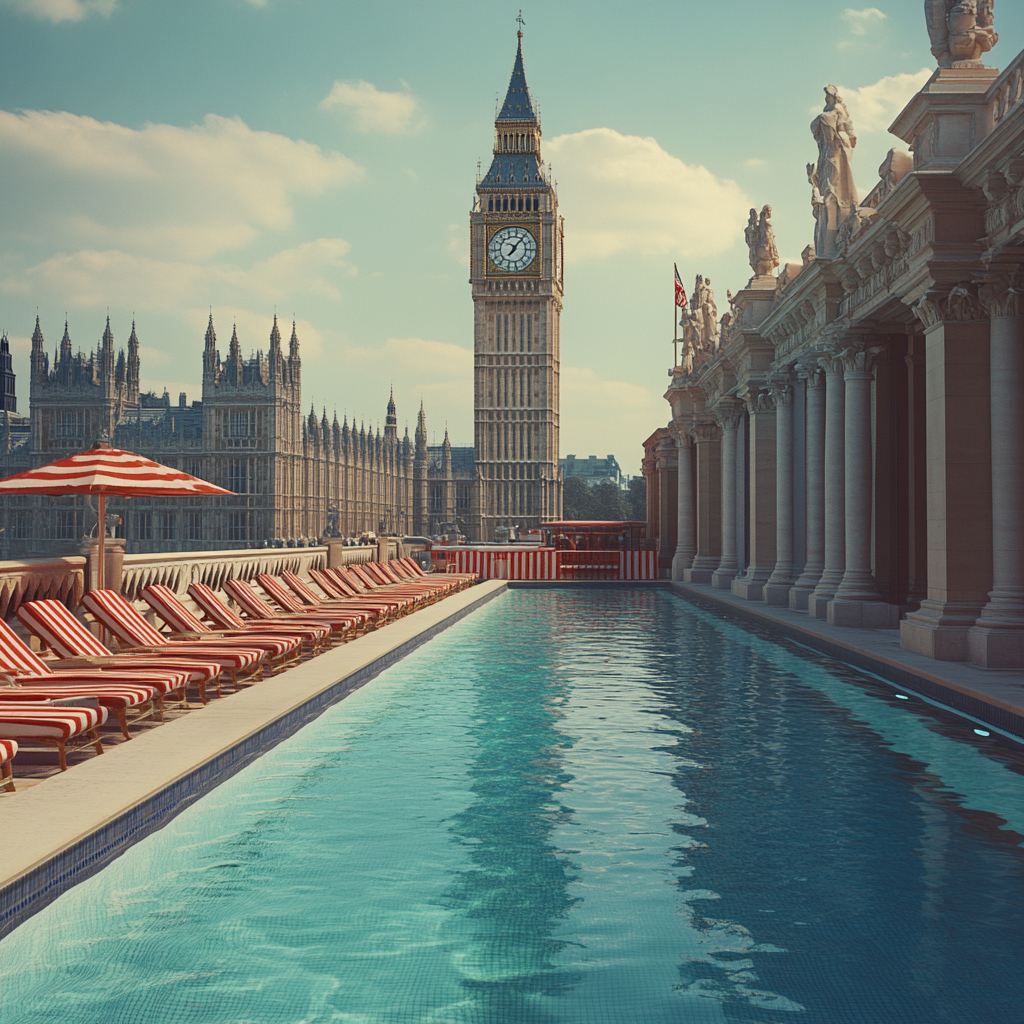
[(516, 893)]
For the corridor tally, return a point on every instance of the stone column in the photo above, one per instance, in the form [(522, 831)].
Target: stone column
[(917, 485), (857, 601), (709, 497), (997, 641), (666, 463), (835, 489), (686, 513), (959, 475), (776, 590), (815, 488), (762, 498), (729, 412)]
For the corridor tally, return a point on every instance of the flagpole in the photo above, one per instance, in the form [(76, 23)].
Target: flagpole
[(675, 323)]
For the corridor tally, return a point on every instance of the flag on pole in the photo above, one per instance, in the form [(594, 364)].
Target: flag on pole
[(680, 289)]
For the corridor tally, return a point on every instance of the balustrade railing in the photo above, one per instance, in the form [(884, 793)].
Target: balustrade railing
[(39, 578)]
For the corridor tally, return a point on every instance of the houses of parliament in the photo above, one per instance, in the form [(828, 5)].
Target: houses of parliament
[(295, 477)]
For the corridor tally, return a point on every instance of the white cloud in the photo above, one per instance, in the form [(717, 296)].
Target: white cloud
[(624, 193), (161, 190), (458, 243), (862, 21), (63, 10), (756, 161), (598, 414), (92, 279), (373, 110), (874, 107)]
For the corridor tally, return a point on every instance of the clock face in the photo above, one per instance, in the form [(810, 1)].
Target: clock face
[(512, 249)]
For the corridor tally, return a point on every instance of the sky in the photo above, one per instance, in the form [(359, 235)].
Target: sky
[(317, 159)]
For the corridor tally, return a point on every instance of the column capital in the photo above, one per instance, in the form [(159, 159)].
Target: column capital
[(729, 411), (959, 304), (705, 430), (759, 399), (811, 374), (1002, 293), (858, 360), (781, 387)]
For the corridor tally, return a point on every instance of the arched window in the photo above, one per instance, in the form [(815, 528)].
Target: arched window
[(504, 203), (490, 205)]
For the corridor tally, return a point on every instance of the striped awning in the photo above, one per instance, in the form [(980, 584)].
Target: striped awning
[(108, 471)]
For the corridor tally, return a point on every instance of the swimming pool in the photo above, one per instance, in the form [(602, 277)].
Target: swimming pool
[(570, 808)]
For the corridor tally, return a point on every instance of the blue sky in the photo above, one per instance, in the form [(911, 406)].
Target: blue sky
[(318, 157)]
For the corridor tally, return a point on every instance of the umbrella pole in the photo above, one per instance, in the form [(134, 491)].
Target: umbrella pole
[(101, 535)]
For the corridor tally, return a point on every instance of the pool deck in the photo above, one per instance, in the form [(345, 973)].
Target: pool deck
[(993, 696), (69, 826)]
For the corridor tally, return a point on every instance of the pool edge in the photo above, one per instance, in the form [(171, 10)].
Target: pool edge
[(926, 681), (31, 889)]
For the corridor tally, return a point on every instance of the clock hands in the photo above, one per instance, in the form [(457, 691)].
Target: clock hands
[(514, 247)]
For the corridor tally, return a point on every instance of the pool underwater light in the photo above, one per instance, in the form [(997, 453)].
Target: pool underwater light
[(902, 696), (982, 732)]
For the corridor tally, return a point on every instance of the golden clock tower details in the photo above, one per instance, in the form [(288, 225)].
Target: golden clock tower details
[(516, 239)]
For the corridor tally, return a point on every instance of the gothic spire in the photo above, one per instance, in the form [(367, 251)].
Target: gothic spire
[(210, 353), (236, 371), (132, 368), (38, 357), (518, 105)]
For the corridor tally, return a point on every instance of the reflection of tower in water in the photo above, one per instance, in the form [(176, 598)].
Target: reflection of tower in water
[(516, 893)]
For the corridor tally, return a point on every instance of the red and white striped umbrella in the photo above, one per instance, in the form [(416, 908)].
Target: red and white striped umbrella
[(104, 471)]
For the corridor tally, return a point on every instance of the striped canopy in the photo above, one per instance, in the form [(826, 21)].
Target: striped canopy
[(107, 471)]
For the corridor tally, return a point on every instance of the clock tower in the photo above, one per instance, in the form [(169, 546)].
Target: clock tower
[(516, 276)]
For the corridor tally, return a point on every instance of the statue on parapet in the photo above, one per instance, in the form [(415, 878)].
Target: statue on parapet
[(833, 193), (766, 252), (702, 306), (960, 31)]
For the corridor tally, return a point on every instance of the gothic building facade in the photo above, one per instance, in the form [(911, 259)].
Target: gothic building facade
[(516, 250), (293, 475)]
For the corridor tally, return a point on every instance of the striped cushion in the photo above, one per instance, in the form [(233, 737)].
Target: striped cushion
[(16, 656), (58, 628), (110, 695), (214, 607), (227, 619), (166, 604), (245, 594), (8, 748), (276, 591), (27, 721), (131, 629), (300, 589)]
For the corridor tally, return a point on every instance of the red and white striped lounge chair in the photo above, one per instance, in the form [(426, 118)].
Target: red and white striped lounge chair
[(115, 613), (8, 748), (415, 569), (375, 581), (131, 696), (379, 612), (343, 627), (281, 596), (335, 583), (71, 641), (65, 728), (225, 617), (280, 648)]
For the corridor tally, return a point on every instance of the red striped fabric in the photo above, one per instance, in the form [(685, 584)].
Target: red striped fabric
[(278, 592), (223, 615), (27, 721), (8, 748), (165, 603), (254, 605), (107, 471)]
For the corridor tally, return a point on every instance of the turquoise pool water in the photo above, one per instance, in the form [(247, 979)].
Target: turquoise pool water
[(570, 808)]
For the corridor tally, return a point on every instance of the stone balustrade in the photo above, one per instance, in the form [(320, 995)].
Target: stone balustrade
[(39, 578)]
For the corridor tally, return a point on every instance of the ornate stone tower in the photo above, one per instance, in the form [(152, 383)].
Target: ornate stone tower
[(516, 276)]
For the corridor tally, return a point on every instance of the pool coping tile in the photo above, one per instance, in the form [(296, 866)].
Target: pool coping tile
[(68, 827)]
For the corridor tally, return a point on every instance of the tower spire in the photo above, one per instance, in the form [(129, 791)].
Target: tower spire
[(518, 105)]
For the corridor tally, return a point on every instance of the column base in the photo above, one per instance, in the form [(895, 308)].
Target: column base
[(817, 604), (776, 594), (863, 614), (680, 563), (939, 630), (697, 576), (750, 588), (995, 648), (722, 578), (799, 596)]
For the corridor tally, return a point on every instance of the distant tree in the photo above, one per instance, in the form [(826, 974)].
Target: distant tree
[(608, 503), (636, 499), (577, 501)]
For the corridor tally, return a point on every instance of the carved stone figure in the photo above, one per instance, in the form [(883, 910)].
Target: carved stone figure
[(767, 253), (750, 236), (833, 193), (705, 313), (960, 31), (962, 305)]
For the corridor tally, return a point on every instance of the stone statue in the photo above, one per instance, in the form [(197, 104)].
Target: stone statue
[(750, 237), (833, 193), (767, 253), (960, 31), (705, 313)]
